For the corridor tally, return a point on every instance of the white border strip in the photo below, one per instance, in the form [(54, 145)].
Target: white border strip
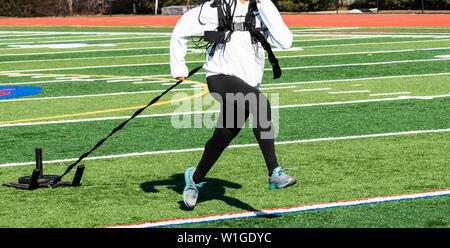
[(232, 146), (275, 211)]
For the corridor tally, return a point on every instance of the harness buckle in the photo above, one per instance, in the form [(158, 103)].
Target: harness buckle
[(239, 26)]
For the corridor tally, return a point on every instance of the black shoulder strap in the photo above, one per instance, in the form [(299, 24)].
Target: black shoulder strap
[(220, 15), (255, 32), (222, 23)]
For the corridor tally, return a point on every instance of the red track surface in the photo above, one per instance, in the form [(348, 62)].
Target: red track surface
[(291, 20)]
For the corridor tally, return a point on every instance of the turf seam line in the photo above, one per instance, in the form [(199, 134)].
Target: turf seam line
[(285, 210)]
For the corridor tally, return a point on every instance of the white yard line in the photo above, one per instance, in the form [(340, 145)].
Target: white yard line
[(151, 82), (85, 58), (83, 51), (96, 33), (47, 76), (365, 52), (392, 93), (381, 34), (370, 36), (123, 80), (349, 92), (83, 40), (327, 39), (50, 37), (72, 78), (78, 79), (21, 35), (23, 75), (362, 79), (55, 81), (281, 56), (134, 48), (358, 64), (266, 69), (263, 87), (307, 90), (215, 111), (91, 67), (399, 33), (230, 147), (277, 88), (375, 43), (362, 101), (322, 29), (106, 118)]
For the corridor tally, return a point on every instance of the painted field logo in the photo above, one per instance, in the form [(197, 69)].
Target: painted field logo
[(18, 91)]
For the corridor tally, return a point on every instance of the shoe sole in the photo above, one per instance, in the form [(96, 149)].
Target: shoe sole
[(290, 183)]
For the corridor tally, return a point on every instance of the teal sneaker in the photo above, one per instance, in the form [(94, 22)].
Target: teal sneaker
[(280, 180), (190, 192)]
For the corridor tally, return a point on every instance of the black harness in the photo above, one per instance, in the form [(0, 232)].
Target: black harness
[(226, 27)]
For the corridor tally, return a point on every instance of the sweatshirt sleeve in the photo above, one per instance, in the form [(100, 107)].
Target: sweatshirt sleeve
[(279, 34), (188, 25)]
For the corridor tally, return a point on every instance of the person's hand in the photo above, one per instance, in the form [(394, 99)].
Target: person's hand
[(180, 78)]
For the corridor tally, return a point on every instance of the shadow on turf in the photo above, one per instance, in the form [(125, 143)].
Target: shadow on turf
[(214, 189)]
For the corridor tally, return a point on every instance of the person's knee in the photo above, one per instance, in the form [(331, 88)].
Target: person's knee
[(222, 138)]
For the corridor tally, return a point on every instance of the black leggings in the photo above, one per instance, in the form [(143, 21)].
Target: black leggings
[(238, 100)]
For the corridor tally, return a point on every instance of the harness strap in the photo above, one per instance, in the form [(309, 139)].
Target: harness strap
[(221, 16), (272, 59), (255, 32), (227, 26), (119, 127), (222, 25)]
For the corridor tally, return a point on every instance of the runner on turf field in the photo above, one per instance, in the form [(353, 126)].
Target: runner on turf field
[(234, 67)]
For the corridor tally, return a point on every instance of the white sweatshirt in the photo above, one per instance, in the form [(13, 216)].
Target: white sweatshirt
[(240, 57)]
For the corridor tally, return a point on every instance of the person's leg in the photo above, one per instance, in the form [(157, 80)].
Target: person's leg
[(214, 147), (228, 126), (243, 99), (264, 132)]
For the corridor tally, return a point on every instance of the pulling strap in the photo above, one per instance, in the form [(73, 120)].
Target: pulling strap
[(99, 143)]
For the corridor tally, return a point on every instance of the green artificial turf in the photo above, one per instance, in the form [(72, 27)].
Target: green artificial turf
[(138, 187)]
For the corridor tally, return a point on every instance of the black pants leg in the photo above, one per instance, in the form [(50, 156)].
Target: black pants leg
[(238, 100)]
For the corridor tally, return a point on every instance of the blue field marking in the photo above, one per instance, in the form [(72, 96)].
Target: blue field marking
[(7, 92)]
